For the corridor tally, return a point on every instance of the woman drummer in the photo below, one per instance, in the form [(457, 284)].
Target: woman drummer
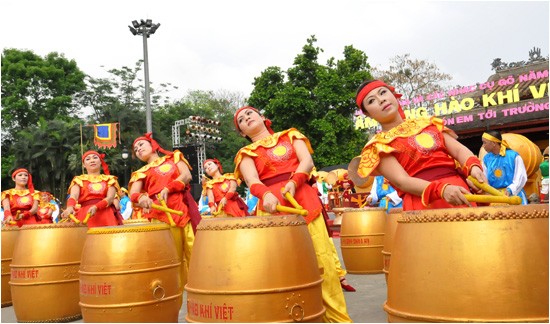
[(222, 191), (20, 204), (94, 192), (46, 208), (165, 180), (277, 163)]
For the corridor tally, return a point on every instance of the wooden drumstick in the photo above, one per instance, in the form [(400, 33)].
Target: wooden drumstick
[(485, 187), (161, 208), (85, 221), (218, 211), (71, 216), (291, 210), (514, 200), (291, 199), (163, 203)]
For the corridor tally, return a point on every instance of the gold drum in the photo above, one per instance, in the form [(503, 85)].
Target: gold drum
[(389, 234), (133, 221), (483, 264), (9, 235), (254, 269), (362, 239), (130, 273), (44, 272)]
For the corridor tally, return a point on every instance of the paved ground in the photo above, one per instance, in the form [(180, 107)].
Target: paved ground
[(364, 305)]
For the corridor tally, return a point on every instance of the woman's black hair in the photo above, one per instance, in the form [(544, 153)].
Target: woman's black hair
[(361, 86), (496, 134)]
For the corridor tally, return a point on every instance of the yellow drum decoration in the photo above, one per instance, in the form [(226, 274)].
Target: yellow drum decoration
[(389, 234), (44, 272), (133, 221), (484, 264), (9, 235), (254, 269), (362, 238), (130, 274)]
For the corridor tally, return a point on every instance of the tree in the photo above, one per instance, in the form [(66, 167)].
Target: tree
[(316, 99), (412, 77), (33, 86)]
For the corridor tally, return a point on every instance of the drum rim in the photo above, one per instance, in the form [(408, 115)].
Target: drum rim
[(128, 228), (250, 222)]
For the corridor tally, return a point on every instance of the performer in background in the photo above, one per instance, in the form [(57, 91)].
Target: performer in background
[(417, 156), (283, 160), (21, 203), (46, 208), (222, 191), (384, 193), (94, 193), (503, 166)]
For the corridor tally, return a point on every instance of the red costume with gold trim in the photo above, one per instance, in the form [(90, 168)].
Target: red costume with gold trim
[(93, 189), (220, 186), (157, 175), (274, 156), (45, 211), (419, 146), (21, 201)]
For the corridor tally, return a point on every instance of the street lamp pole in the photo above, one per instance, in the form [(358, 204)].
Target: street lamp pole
[(145, 28)]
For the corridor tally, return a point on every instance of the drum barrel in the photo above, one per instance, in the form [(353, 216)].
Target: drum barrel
[(44, 272), (9, 235), (389, 234), (130, 273), (361, 240), (483, 264), (254, 269)]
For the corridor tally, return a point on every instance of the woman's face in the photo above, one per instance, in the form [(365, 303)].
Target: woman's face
[(92, 162), (143, 149), (249, 120), (381, 104), (210, 168), (22, 178), (45, 198)]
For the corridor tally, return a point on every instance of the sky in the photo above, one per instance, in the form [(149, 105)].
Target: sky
[(223, 45)]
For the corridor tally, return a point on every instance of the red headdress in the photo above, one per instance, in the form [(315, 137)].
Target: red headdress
[(29, 182), (101, 158), (215, 161), (149, 138), (267, 122), (371, 86)]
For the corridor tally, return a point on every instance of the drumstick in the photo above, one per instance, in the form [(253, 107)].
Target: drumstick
[(71, 216), (291, 199), (291, 210), (218, 211), (85, 221), (163, 203), (161, 208), (485, 187), (514, 200)]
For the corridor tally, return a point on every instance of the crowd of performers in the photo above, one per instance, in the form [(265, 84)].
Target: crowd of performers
[(417, 164)]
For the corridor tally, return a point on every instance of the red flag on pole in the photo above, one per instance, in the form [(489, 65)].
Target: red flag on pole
[(105, 135)]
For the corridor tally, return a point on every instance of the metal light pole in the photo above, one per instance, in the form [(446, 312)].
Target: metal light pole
[(125, 156), (145, 28)]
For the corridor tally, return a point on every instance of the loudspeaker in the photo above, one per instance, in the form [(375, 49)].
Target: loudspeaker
[(190, 153)]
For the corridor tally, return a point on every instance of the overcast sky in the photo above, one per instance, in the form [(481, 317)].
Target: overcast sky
[(224, 45)]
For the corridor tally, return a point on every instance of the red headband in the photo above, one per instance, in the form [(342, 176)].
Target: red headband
[(101, 158), (149, 138), (267, 122), (371, 86), (29, 182), (215, 161)]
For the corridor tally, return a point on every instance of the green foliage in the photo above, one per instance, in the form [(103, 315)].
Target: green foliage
[(316, 99), (33, 87)]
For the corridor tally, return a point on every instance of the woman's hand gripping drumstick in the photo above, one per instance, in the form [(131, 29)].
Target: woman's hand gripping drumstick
[(163, 203), (297, 208)]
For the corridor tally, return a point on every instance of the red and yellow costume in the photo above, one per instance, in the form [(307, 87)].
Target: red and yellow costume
[(45, 211), (234, 206), (276, 160), (419, 146), (93, 189), (157, 175), (21, 202)]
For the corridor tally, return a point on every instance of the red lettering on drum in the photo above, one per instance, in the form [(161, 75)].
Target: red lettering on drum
[(355, 241), (25, 274), (220, 312), (224, 312), (103, 289)]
